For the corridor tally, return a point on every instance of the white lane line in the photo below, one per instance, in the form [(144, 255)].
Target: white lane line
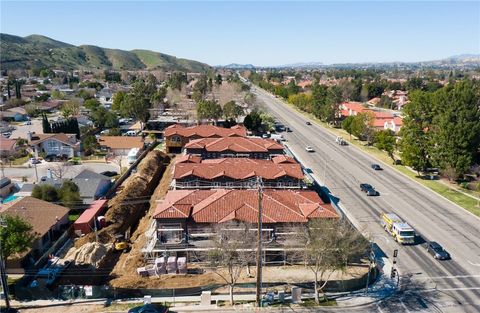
[(404, 306), (460, 288), (445, 277), (379, 308), (474, 264)]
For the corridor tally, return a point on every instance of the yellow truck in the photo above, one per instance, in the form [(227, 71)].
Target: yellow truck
[(400, 231)]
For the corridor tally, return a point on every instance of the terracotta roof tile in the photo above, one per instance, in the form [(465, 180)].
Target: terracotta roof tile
[(235, 144), (221, 205), (205, 131), (238, 168)]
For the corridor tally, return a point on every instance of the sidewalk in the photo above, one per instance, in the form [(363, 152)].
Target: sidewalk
[(379, 290)]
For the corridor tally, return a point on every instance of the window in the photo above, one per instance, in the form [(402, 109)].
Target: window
[(229, 184), (280, 184), (216, 184)]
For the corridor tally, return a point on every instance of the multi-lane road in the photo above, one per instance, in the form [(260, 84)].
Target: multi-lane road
[(427, 284)]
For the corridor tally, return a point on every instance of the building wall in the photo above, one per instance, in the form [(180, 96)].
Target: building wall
[(55, 147)]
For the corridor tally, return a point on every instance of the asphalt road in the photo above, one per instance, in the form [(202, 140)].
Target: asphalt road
[(428, 285)]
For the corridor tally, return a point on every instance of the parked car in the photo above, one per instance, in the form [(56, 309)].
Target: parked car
[(437, 251), (109, 173), (377, 167), (308, 123), (309, 149), (7, 134), (265, 136), (340, 141), (365, 187), (27, 123), (34, 161), (288, 129), (148, 308)]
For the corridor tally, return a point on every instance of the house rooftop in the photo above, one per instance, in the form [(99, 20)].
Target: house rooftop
[(205, 131), (121, 142), (63, 138), (222, 205), (238, 168), (235, 144), (42, 215)]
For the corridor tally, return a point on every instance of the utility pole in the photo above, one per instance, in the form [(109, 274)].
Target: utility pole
[(3, 273), (259, 244)]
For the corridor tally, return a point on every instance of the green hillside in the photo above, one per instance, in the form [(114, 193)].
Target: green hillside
[(36, 51)]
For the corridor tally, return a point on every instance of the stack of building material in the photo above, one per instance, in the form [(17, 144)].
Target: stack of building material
[(142, 271), (151, 270), (172, 265), (182, 265), (160, 266)]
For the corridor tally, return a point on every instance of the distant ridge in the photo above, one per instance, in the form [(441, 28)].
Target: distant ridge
[(37, 51)]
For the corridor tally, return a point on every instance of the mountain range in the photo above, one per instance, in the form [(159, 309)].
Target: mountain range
[(36, 51)]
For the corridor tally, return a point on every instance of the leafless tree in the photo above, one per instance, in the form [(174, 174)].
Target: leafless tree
[(60, 169), (328, 245), (233, 250)]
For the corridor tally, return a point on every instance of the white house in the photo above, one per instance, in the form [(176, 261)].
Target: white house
[(54, 144)]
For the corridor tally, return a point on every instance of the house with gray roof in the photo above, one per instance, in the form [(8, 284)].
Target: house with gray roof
[(91, 185)]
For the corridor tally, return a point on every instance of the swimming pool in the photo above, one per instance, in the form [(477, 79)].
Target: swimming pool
[(9, 198)]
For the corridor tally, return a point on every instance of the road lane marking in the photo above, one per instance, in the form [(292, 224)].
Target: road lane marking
[(459, 288), (474, 264), (445, 277)]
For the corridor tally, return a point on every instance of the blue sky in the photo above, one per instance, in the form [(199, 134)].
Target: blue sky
[(261, 33)]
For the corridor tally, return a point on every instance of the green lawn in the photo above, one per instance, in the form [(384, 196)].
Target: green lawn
[(457, 197), (20, 161)]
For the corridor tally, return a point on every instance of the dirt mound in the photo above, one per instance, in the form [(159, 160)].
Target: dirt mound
[(132, 200), (91, 253)]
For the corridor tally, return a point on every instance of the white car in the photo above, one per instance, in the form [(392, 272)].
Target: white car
[(309, 149)]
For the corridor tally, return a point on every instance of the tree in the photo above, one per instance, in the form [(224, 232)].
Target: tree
[(231, 110), (70, 108), (253, 121), (91, 104), (118, 100), (46, 124), (56, 94), (385, 140), (69, 194), (329, 245), (17, 236), (201, 86), (84, 94), (233, 250), (416, 131), (218, 80), (208, 109), (60, 169), (90, 144), (176, 80), (347, 124), (456, 126), (45, 192)]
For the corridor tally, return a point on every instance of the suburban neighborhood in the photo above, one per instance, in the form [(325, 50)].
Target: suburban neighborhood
[(137, 181)]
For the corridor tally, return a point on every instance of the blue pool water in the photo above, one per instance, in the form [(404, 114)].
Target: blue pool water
[(9, 198)]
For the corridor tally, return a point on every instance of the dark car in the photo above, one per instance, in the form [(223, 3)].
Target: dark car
[(148, 308), (437, 251), (376, 167), (372, 192), (308, 123), (288, 130), (109, 173), (365, 187)]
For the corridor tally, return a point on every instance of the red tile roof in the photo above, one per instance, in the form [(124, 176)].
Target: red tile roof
[(238, 168), (221, 205), (188, 158), (7, 144), (205, 131), (235, 144)]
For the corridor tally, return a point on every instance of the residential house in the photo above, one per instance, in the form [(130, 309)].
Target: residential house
[(54, 144), (91, 185), (87, 221), (8, 147), (185, 220), (48, 221), (237, 173), (177, 136), (12, 116), (240, 147), (120, 145), (380, 119)]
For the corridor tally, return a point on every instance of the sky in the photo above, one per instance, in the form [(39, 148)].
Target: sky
[(260, 33)]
